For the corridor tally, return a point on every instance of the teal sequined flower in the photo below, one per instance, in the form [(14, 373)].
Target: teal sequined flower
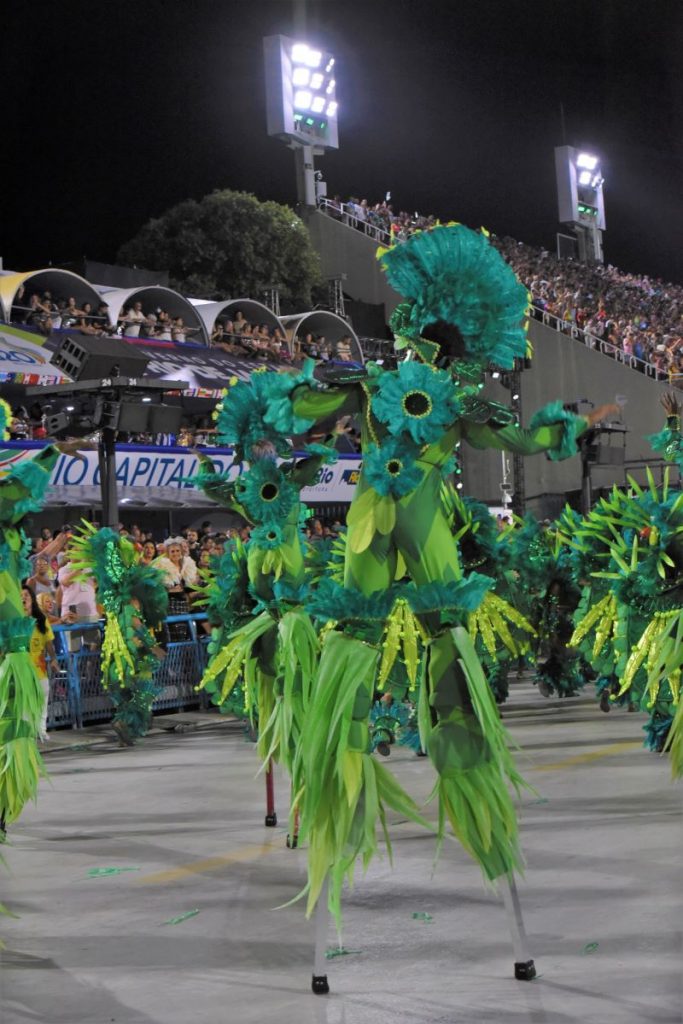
[(269, 536), (391, 469), (416, 399), (265, 493)]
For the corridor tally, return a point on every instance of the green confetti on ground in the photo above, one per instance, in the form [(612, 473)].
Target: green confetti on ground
[(590, 947), (107, 872), (181, 917), (543, 800), (421, 916), (330, 954)]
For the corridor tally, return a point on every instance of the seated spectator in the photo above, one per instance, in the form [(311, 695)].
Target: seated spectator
[(163, 330), (239, 323), (342, 349), (71, 313), (217, 334), (178, 331), (133, 319)]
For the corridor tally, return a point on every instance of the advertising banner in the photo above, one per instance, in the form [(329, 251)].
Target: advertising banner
[(146, 467), (25, 360)]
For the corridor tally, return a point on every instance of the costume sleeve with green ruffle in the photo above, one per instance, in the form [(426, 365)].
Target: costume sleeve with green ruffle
[(23, 489), (669, 441), (552, 429)]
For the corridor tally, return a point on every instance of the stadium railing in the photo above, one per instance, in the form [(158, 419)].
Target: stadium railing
[(77, 695)]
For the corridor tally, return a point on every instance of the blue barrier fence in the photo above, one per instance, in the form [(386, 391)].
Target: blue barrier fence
[(76, 692)]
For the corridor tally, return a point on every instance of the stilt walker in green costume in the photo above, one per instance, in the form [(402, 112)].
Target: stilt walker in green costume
[(641, 618), (135, 602), (275, 650), (22, 490), (465, 311), (497, 627)]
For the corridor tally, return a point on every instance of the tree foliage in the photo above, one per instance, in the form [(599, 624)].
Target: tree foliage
[(229, 245)]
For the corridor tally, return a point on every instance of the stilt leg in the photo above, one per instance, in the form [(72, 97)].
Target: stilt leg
[(271, 816), (525, 969), (319, 983), (293, 839)]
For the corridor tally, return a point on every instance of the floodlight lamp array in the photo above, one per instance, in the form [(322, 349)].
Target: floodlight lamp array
[(314, 90), (587, 161)]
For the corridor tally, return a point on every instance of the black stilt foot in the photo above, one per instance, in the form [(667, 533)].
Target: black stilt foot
[(292, 842), (271, 820), (525, 971), (320, 985)]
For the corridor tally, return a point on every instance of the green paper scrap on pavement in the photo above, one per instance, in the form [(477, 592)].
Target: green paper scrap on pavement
[(421, 916), (107, 872), (543, 800), (181, 917), (590, 947), (330, 954)]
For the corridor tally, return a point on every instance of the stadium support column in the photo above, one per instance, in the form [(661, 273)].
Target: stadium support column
[(305, 174), (519, 490), (107, 464)]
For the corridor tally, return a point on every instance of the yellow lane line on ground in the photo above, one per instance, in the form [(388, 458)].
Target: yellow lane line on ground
[(595, 755), (200, 867)]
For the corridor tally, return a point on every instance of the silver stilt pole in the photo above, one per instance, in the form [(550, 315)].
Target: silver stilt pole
[(320, 984), (525, 969)]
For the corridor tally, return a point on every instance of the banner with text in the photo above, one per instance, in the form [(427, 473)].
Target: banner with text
[(145, 467)]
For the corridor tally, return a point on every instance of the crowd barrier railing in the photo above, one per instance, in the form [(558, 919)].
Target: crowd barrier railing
[(556, 323), (77, 695)]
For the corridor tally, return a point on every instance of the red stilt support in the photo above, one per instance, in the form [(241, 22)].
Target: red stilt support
[(271, 816)]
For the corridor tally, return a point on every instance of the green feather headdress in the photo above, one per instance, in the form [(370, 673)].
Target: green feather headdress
[(455, 275)]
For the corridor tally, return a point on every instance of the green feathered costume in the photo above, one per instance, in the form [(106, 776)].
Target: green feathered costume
[(22, 490), (499, 630), (135, 602), (273, 648), (465, 309)]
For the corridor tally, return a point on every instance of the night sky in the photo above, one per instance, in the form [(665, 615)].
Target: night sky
[(115, 111)]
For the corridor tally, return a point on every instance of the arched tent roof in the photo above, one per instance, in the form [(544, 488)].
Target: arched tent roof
[(61, 283), (253, 311), (153, 298), (321, 321)]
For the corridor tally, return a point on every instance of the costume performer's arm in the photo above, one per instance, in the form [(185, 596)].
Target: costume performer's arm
[(557, 438)]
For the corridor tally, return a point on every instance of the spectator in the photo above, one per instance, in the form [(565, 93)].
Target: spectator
[(343, 348), (133, 320), (43, 580), (76, 594)]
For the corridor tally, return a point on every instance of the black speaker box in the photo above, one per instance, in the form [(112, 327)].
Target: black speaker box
[(86, 357)]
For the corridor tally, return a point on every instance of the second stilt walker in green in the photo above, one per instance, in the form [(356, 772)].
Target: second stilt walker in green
[(465, 311)]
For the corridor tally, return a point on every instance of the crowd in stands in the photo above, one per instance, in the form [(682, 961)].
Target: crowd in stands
[(66, 597), (248, 340), (44, 313), (638, 318), (378, 219)]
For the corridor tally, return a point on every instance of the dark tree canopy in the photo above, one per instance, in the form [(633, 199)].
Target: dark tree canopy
[(229, 245)]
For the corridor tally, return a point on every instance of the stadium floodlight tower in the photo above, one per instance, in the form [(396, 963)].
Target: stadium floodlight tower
[(580, 199), (301, 106)]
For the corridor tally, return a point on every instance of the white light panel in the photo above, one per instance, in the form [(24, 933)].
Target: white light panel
[(587, 161), (301, 76), (302, 99), (316, 80), (585, 178), (331, 109)]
